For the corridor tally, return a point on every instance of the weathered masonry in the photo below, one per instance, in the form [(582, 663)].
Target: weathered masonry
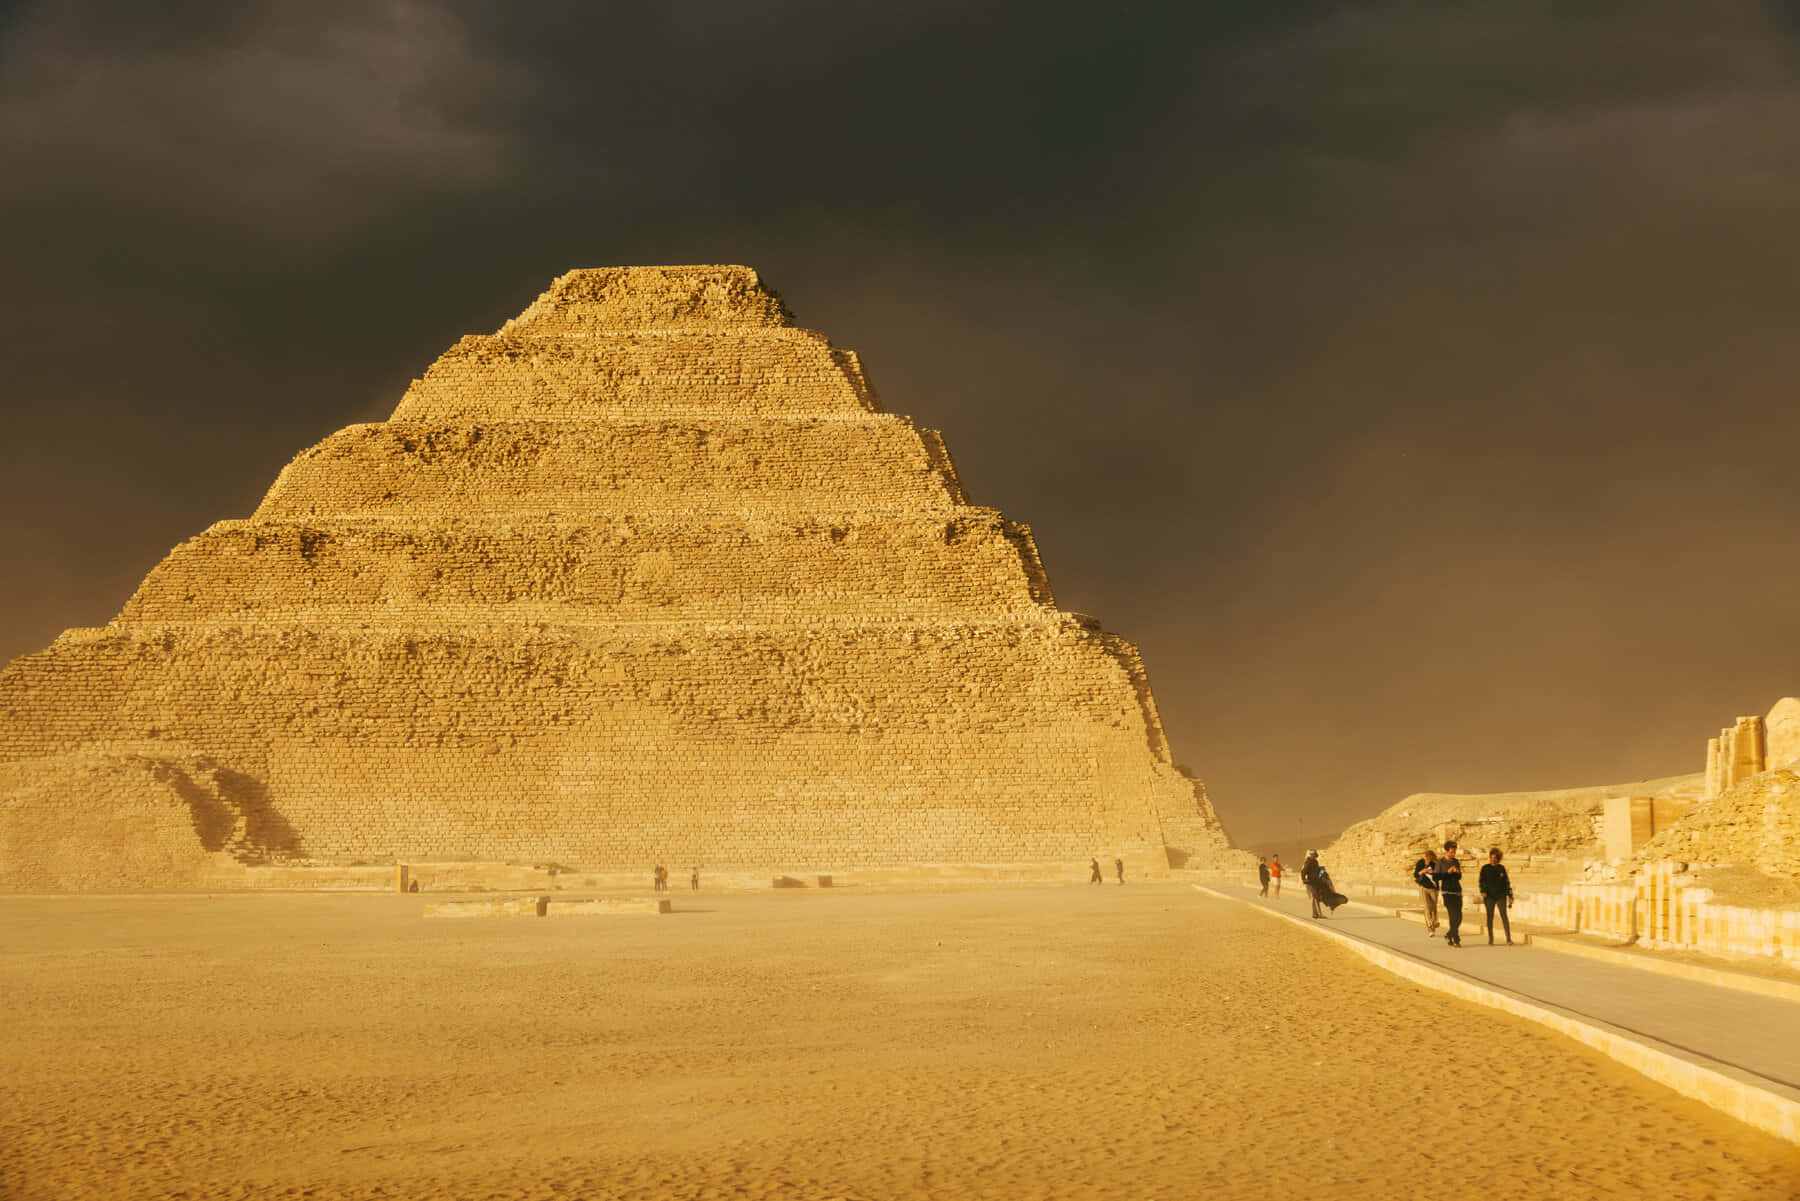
[(646, 575)]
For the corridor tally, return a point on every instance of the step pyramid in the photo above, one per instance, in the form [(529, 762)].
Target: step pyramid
[(647, 575)]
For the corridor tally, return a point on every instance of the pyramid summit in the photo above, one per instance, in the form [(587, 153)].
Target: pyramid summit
[(646, 575)]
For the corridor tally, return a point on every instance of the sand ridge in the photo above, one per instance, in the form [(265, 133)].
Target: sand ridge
[(1068, 1042)]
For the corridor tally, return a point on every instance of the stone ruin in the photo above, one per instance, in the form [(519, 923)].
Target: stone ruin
[(1750, 814), (648, 575), (1752, 745)]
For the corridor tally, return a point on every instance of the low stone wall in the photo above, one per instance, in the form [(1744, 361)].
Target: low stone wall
[(1663, 910), (1674, 915), (1608, 909)]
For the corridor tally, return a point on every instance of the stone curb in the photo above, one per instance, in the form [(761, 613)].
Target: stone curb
[(1718, 977), (1764, 1104), (1562, 942), (544, 906)]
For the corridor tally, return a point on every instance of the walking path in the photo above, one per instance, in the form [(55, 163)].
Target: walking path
[(1738, 1051)]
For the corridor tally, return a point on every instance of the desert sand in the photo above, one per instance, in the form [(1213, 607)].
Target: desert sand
[(1068, 1042)]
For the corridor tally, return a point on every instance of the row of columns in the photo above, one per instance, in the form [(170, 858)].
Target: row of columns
[(1739, 752)]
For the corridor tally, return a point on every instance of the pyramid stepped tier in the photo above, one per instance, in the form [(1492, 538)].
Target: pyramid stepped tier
[(604, 468), (776, 372), (968, 563), (646, 575), (831, 744), (611, 299)]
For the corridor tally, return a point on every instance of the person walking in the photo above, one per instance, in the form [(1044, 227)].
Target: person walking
[(1428, 889), (1448, 875), (1275, 874), (694, 879), (1119, 866), (1262, 874), (1309, 876), (1329, 896), (1094, 871), (1496, 893)]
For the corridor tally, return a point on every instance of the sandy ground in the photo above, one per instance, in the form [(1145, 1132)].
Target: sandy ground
[(1075, 1042)]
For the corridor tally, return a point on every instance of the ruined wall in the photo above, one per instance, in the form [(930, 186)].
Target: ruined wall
[(1781, 732), (1755, 822), (1738, 753), (1631, 821), (1561, 823), (645, 576)]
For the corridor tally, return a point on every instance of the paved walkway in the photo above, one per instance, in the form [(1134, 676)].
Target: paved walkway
[(1755, 1034)]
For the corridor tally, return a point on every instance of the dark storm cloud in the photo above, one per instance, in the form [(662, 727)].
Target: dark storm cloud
[(283, 122), (1411, 380)]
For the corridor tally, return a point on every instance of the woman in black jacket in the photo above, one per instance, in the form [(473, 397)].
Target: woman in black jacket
[(1496, 893)]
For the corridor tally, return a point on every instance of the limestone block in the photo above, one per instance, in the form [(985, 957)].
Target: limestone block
[(608, 906), (1628, 825), (1781, 730), (1631, 822), (1747, 752), (498, 907)]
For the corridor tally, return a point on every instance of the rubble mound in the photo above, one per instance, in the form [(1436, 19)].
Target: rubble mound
[(1755, 823), (1562, 823), (122, 818)]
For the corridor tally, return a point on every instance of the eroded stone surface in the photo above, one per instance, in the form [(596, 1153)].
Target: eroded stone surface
[(645, 576)]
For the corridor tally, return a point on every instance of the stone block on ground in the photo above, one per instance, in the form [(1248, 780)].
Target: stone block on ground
[(608, 906), (494, 907)]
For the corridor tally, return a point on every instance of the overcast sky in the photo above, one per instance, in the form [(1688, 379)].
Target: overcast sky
[(1416, 383)]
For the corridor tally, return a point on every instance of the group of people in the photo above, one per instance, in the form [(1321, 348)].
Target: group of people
[(1094, 871), (1440, 880), (1319, 889), (1269, 872), (659, 876)]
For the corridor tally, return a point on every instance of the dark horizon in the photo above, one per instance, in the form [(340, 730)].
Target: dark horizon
[(1413, 385)]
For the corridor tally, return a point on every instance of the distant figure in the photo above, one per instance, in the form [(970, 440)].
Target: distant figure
[(1496, 893), (1448, 875), (1428, 889), (1309, 876), (1262, 874), (1119, 866), (694, 880), (1329, 896), (1319, 886), (1275, 874), (659, 878), (1094, 868)]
